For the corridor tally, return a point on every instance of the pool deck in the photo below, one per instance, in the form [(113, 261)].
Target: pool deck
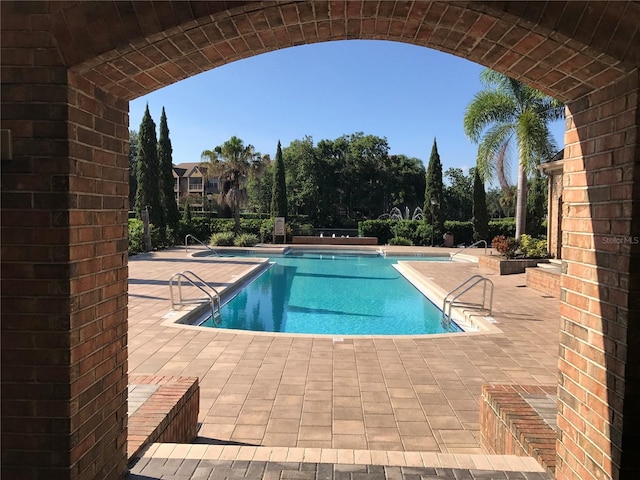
[(377, 394)]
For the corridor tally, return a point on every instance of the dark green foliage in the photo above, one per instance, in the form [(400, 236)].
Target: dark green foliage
[(279, 193), (434, 190), (537, 205), (382, 229), (222, 225), (148, 192), (187, 216), (458, 195), (170, 210), (480, 216), (502, 226), (133, 168), (462, 232)]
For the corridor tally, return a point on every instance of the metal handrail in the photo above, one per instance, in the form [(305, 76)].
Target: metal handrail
[(467, 285), (186, 243), (472, 245), (213, 300)]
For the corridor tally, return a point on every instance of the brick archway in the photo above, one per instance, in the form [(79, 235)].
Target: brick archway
[(68, 71)]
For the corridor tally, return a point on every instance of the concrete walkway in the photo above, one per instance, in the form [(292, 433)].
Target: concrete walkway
[(404, 394)]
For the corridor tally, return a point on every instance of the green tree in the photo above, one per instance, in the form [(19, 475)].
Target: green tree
[(279, 194), (508, 112), (167, 182), (230, 162), (148, 193), (433, 193), (480, 215), (458, 195), (405, 184), (537, 204), (133, 168), (259, 186)]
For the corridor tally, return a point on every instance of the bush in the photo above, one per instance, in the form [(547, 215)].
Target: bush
[(462, 231), (136, 236), (305, 229), (376, 228), (222, 239), (220, 225), (503, 226), (533, 247), (506, 246), (246, 240), (401, 241), (422, 234)]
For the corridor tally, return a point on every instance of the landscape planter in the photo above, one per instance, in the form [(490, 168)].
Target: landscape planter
[(508, 266)]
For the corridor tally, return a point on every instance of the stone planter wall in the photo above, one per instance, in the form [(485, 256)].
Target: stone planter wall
[(503, 266)]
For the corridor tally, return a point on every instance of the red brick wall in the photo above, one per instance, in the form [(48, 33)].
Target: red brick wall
[(544, 281), (599, 366), (64, 263)]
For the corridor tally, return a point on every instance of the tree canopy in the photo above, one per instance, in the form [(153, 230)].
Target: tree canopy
[(231, 162), (505, 113)]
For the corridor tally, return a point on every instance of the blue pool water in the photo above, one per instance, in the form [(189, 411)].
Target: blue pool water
[(332, 293)]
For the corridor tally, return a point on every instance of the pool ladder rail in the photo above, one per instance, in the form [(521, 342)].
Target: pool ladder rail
[(463, 288), (470, 246), (212, 295), (186, 244)]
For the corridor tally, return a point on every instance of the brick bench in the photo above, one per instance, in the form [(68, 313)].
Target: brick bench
[(510, 425), (165, 410)]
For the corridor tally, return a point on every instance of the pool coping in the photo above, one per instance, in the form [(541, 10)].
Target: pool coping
[(468, 320)]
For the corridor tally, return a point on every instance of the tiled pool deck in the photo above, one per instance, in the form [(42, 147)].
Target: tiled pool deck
[(402, 394)]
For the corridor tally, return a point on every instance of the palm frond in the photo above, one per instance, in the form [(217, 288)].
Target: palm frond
[(493, 150), (486, 108)]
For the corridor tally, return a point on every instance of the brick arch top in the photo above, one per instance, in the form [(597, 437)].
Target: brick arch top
[(565, 49)]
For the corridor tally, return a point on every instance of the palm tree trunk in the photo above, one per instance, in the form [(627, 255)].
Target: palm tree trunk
[(521, 201)]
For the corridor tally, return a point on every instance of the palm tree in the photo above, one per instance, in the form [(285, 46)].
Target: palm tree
[(230, 162), (508, 111)]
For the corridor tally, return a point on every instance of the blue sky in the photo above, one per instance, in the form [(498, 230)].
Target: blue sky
[(408, 94)]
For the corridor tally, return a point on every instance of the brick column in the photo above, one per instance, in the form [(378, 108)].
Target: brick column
[(600, 327), (64, 274)]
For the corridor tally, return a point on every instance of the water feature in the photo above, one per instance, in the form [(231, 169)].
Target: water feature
[(396, 214)]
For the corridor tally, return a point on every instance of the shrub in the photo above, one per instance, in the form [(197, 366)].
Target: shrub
[(222, 239), (376, 228), (502, 226), (305, 229), (245, 240), (422, 234), (462, 231), (136, 236), (505, 246), (401, 241), (533, 247), (220, 225)]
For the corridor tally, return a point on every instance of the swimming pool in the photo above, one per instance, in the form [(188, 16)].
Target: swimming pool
[(332, 293)]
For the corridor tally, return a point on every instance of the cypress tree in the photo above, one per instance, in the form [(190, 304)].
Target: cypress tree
[(480, 215), (133, 168), (434, 190), (148, 192), (165, 160), (279, 193)]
